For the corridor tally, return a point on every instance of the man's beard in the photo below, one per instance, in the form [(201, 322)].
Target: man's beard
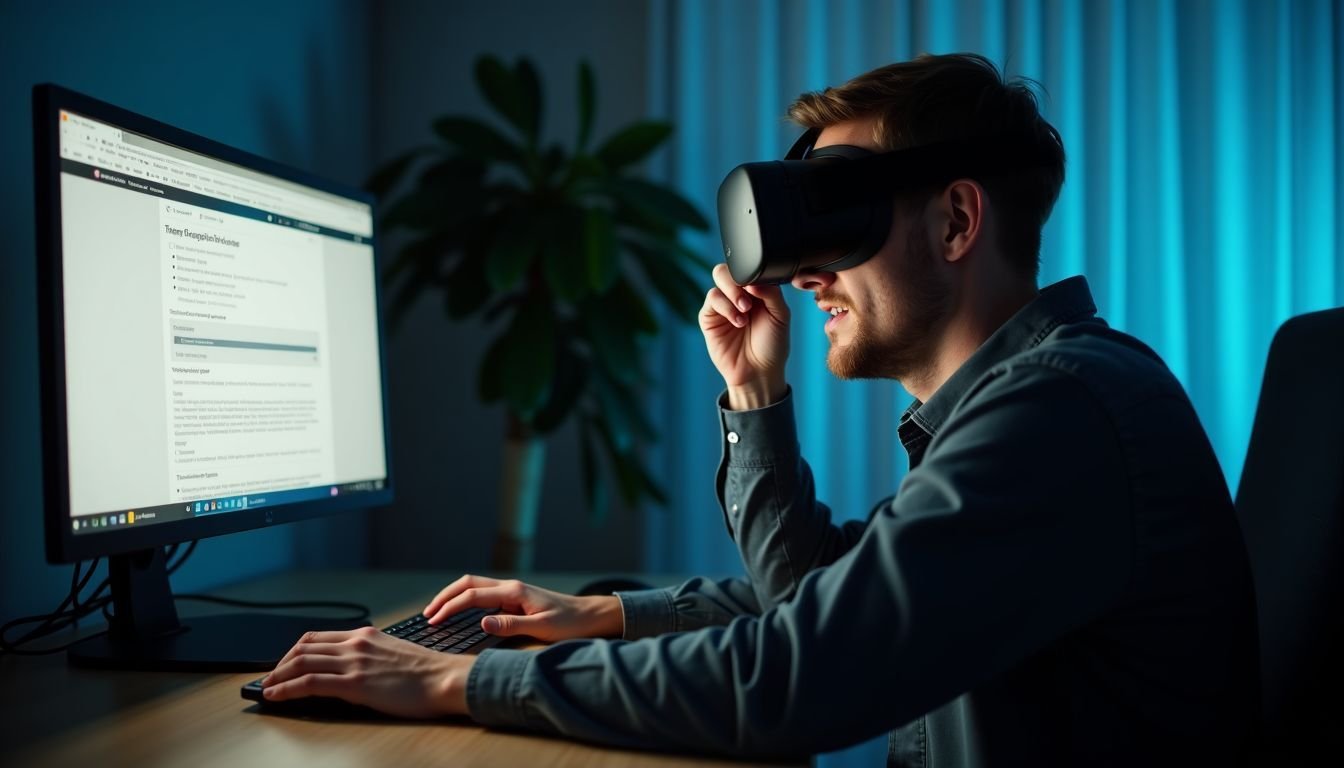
[(905, 348)]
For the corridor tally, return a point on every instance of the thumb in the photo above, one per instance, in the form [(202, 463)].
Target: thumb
[(772, 296), (507, 625)]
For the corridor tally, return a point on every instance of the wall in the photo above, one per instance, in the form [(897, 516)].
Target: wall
[(286, 80), (447, 447)]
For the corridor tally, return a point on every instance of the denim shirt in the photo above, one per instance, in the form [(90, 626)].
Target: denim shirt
[(1059, 580)]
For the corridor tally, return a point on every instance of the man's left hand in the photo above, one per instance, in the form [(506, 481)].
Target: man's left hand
[(366, 666)]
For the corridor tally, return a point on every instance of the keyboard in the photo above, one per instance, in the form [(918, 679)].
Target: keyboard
[(459, 633)]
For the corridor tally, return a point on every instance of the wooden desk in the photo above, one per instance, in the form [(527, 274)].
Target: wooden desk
[(54, 715)]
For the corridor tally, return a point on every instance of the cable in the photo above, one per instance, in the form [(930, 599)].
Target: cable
[(172, 567), (58, 619), (71, 609)]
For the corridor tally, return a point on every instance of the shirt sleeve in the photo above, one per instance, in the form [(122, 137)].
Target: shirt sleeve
[(1015, 530), (698, 603), (769, 502)]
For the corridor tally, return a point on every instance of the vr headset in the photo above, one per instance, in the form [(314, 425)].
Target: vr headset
[(829, 209)]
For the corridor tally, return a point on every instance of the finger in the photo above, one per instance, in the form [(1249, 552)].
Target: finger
[(723, 280), (718, 306), (772, 296), (304, 664), (507, 625), (476, 597), (452, 590), (313, 638), (317, 684), (316, 649)]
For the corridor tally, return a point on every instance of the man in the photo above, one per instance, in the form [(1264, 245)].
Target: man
[(1059, 580)]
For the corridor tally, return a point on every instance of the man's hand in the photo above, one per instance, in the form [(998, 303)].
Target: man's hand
[(747, 333), (528, 610), (368, 667)]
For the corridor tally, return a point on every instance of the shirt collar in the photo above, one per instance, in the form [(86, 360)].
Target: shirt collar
[(1067, 301)]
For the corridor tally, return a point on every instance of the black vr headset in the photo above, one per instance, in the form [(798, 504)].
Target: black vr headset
[(829, 209)]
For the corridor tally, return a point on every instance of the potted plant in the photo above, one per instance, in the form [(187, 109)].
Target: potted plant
[(559, 250)]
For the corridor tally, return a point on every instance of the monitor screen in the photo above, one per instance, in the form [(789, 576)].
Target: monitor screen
[(211, 362), (215, 347)]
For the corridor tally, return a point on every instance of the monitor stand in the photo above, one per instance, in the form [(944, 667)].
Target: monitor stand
[(145, 632)]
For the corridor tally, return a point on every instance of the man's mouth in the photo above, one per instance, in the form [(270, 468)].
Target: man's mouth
[(838, 313)]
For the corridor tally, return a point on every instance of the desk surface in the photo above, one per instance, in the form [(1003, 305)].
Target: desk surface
[(56, 715)]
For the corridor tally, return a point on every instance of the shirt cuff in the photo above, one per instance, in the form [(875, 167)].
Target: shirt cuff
[(648, 612), (494, 687), (759, 437)]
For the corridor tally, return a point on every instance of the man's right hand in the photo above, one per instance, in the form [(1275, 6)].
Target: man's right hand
[(747, 334), (528, 610)]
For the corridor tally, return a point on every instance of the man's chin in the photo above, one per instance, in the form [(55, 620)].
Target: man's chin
[(843, 362)]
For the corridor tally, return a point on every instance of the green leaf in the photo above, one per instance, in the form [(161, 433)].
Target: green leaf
[(587, 103), (646, 482), (520, 365), (563, 266), (455, 177), (586, 167), (599, 247), (516, 243), (529, 90), (675, 251), (502, 90), (476, 138), (633, 144), (627, 303), (466, 288), (635, 218), (448, 192), (386, 177), (490, 377), (627, 482), (623, 411), (571, 378), (659, 201), (413, 211), (682, 294), (632, 478), (552, 161), (612, 339), (593, 488)]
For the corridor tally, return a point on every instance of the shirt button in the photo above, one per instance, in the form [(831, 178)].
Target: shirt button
[(734, 507), (733, 438)]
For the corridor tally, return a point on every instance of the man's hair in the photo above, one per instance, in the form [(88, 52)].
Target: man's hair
[(956, 97)]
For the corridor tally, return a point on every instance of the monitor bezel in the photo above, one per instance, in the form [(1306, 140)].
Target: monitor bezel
[(62, 544)]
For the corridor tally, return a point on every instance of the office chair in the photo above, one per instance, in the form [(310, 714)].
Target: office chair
[(1291, 507)]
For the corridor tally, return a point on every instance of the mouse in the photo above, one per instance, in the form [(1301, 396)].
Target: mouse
[(607, 585), (311, 707)]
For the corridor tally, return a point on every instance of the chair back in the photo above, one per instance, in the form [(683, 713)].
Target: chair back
[(1290, 503)]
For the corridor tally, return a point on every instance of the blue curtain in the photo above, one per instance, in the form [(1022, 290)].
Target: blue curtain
[(1203, 201)]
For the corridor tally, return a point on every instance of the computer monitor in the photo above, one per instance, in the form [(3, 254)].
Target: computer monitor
[(211, 362)]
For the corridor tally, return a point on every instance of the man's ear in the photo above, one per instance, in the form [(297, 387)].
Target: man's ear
[(963, 206)]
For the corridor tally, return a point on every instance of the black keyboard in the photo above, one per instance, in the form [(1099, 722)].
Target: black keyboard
[(459, 633)]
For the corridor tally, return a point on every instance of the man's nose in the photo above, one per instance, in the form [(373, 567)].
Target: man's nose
[(813, 280)]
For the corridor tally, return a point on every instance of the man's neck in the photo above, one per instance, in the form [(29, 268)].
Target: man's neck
[(976, 317)]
